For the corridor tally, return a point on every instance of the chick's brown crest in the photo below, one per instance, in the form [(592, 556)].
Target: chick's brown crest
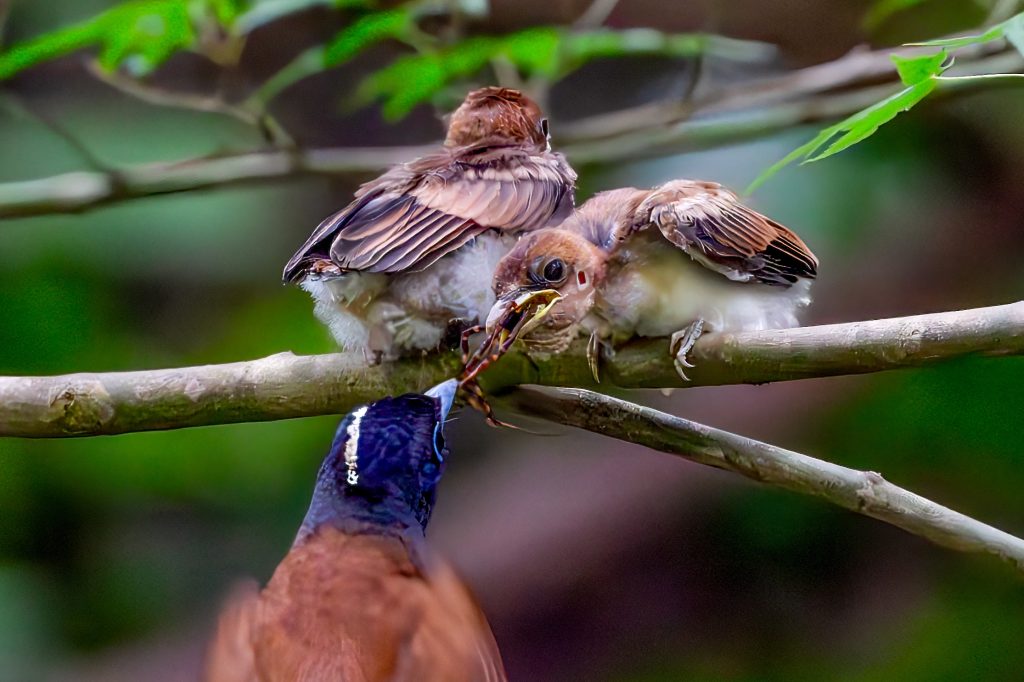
[(496, 113)]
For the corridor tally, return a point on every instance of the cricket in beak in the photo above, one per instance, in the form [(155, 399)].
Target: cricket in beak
[(510, 317)]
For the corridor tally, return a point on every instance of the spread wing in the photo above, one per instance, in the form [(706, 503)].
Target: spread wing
[(418, 212), (715, 229)]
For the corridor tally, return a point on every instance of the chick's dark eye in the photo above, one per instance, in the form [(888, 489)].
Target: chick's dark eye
[(554, 271)]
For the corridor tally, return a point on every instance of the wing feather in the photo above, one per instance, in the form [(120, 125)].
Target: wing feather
[(708, 222), (416, 213)]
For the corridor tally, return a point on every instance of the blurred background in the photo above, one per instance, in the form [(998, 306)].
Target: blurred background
[(593, 559)]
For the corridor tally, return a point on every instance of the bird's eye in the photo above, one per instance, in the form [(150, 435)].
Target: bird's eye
[(554, 271), (544, 127)]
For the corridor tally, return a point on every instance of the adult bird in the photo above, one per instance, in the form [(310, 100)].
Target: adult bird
[(414, 252), (675, 260), (360, 597)]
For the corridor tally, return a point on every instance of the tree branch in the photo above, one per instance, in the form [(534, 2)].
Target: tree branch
[(285, 386), (731, 114), (864, 492)]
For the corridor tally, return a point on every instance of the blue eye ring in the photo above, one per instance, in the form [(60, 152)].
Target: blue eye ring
[(438, 442)]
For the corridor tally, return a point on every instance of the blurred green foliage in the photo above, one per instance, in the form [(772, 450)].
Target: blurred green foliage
[(106, 542)]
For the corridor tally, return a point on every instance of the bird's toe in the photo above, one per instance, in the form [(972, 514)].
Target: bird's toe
[(682, 343)]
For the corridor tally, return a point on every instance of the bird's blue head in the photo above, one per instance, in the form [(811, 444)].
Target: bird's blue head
[(385, 463)]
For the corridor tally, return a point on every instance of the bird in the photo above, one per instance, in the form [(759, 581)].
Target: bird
[(408, 262), (676, 260), (360, 597)]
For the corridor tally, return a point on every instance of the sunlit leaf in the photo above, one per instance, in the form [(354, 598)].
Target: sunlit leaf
[(227, 11), (851, 130), (365, 31), (414, 79), (534, 51), (546, 51), (913, 70), (991, 34), (143, 34)]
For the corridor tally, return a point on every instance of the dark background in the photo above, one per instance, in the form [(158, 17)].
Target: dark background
[(593, 559)]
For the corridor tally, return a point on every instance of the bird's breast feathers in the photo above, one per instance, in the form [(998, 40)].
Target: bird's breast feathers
[(654, 289), (410, 311)]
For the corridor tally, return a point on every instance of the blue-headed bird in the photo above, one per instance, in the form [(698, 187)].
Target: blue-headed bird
[(360, 597)]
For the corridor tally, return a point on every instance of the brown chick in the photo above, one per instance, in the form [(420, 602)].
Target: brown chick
[(416, 248), (674, 261)]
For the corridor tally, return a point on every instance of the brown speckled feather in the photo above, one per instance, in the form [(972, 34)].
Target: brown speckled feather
[(355, 608), (420, 211), (708, 222)]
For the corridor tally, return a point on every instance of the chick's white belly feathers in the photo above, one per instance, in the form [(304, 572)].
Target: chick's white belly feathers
[(396, 314), (663, 291)]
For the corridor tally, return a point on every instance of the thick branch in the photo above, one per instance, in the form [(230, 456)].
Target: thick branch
[(285, 386), (864, 492), (727, 115)]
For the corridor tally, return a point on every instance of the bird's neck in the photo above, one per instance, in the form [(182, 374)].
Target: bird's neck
[(352, 509)]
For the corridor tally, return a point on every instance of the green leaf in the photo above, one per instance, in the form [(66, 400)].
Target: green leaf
[(414, 79), (141, 34), (963, 41), (863, 125), (547, 51), (365, 31), (913, 70), (851, 130), (1014, 29), (534, 51), (227, 11)]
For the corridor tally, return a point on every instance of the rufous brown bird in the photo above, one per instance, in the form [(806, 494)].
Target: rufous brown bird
[(416, 248), (674, 261), (360, 597)]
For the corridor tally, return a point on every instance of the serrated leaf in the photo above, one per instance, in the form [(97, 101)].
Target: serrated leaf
[(364, 32), (913, 70), (850, 131)]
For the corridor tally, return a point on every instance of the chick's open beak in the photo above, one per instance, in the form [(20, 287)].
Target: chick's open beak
[(512, 315), (519, 312)]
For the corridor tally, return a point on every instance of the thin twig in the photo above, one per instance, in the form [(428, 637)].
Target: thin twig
[(864, 492), (251, 112), (18, 104), (158, 96), (596, 14), (285, 386), (731, 115)]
